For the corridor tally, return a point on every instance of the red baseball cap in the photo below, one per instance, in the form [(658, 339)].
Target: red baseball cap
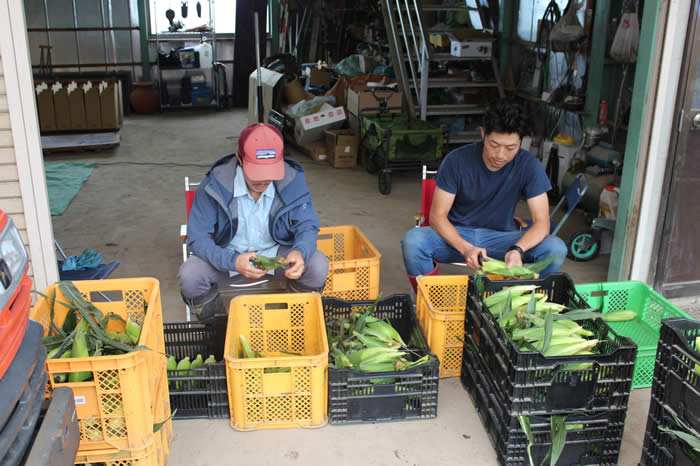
[(261, 148)]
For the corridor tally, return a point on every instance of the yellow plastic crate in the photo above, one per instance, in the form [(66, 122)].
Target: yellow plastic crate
[(441, 302), (278, 390), (353, 272), (155, 454), (116, 410)]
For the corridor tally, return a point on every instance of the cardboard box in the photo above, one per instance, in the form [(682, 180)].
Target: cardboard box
[(93, 115), (361, 100), (62, 109), (76, 107), (271, 84), (310, 128), (109, 111), (45, 107), (354, 123), (342, 147), (470, 43), (319, 151), (319, 77)]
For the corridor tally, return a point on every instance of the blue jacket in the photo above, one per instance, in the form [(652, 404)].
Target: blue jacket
[(213, 219)]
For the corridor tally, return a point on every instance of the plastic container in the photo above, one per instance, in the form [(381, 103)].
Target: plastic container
[(23, 390), (441, 301), (675, 394), (58, 434), (593, 438), (644, 331), (530, 383), (196, 393), (353, 272), (279, 390), (354, 397), (116, 408), (608, 202)]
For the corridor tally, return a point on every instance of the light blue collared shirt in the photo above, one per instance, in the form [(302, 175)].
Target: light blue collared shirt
[(253, 233)]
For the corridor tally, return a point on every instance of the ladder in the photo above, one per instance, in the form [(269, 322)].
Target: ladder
[(417, 62)]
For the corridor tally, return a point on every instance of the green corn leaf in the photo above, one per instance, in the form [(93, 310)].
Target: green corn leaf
[(690, 439), (532, 304), (558, 426), (548, 325), (525, 426), (539, 266), (480, 286), (507, 309), (159, 425), (579, 314)]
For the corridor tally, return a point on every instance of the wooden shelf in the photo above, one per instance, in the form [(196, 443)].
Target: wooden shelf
[(531, 98)]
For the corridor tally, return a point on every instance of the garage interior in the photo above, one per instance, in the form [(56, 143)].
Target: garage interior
[(131, 206)]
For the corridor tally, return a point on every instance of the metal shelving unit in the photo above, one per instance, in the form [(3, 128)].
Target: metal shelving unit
[(170, 79)]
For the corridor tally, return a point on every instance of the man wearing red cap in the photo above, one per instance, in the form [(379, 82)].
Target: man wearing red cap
[(249, 203)]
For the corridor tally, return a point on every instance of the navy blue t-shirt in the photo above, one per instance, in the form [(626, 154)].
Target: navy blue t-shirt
[(486, 199)]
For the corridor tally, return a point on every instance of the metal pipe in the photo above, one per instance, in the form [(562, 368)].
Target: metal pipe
[(77, 38)]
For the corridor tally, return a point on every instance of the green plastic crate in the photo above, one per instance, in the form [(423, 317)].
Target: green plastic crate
[(644, 331), (406, 139)]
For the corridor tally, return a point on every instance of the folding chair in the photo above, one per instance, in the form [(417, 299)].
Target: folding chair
[(238, 284), (100, 272)]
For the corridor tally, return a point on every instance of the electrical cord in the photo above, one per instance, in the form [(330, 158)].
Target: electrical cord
[(161, 164)]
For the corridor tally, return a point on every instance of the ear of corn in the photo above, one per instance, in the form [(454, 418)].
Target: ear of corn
[(210, 360), (133, 331), (619, 316)]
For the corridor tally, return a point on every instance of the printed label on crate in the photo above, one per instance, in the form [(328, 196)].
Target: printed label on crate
[(79, 400)]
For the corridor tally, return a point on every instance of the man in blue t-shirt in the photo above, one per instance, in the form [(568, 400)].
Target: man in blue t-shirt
[(477, 189)]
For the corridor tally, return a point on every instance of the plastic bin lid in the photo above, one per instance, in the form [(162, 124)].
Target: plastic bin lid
[(18, 374)]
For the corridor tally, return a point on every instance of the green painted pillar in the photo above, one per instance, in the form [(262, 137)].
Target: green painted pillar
[(143, 40), (274, 26), (595, 68), (506, 19), (632, 174)]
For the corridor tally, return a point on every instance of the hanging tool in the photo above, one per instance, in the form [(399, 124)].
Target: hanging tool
[(199, 9), (261, 118), (183, 9)]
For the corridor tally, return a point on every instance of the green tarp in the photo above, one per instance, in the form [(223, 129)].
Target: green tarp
[(63, 181)]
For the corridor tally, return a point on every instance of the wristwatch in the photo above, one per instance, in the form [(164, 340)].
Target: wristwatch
[(515, 247)]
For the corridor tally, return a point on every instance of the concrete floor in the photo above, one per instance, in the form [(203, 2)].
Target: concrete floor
[(131, 208)]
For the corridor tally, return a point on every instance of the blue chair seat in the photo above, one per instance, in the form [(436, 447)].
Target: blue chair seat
[(98, 273)]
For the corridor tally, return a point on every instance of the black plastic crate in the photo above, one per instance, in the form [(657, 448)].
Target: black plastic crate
[(411, 394), (202, 392), (57, 436), (19, 427), (530, 383), (596, 441), (675, 394)]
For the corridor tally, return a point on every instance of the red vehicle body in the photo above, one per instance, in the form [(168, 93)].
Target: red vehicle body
[(15, 286)]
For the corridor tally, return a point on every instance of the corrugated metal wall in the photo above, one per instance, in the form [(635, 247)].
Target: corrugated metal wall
[(93, 35)]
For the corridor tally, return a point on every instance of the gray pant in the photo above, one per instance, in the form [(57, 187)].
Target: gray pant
[(196, 275)]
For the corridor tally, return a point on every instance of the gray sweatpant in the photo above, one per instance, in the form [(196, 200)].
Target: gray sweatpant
[(196, 275)]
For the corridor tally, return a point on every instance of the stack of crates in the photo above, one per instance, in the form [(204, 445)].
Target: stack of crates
[(505, 383), (675, 396), (286, 387), (353, 272), (128, 394), (357, 397)]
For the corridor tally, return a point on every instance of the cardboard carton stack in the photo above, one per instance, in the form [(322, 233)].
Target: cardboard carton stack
[(79, 105)]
